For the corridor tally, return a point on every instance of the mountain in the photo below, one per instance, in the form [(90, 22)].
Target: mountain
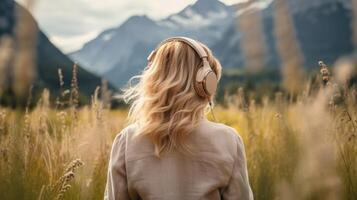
[(301, 6), (322, 28), (48, 57), (228, 49), (209, 16), (115, 45), (121, 52), (329, 35)]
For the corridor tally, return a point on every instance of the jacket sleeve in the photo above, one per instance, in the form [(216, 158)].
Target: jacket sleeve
[(116, 187), (238, 187)]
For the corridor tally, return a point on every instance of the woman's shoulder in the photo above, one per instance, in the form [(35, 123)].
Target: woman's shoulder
[(219, 128), (218, 136), (233, 136), (126, 132)]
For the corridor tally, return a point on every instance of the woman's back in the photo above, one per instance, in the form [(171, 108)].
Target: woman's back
[(216, 169), (171, 152)]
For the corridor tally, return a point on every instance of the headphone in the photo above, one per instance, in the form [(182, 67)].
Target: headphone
[(206, 79)]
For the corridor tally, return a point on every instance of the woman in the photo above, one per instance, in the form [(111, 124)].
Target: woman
[(171, 151)]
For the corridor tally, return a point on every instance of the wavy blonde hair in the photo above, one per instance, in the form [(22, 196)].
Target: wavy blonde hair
[(165, 105)]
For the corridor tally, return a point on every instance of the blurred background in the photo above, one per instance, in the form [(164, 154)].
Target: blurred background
[(288, 86), (110, 40)]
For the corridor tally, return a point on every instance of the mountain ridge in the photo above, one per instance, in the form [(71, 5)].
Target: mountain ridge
[(180, 23), (48, 57), (126, 53)]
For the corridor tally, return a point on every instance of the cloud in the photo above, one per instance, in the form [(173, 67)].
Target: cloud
[(73, 42), (70, 23)]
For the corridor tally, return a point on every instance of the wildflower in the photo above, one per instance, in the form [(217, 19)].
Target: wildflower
[(60, 76), (325, 73)]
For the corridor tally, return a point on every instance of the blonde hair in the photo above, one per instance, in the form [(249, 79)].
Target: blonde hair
[(165, 105)]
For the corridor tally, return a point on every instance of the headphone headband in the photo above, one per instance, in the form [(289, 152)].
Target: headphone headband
[(193, 43), (205, 77)]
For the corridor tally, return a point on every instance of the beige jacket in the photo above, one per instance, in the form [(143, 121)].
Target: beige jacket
[(218, 170)]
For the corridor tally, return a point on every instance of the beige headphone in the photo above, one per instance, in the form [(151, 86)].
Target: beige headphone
[(206, 79)]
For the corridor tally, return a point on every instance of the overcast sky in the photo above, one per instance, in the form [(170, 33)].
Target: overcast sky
[(71, 23)]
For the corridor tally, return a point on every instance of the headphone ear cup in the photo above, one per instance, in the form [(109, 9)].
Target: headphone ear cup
[(199, 83), (207, 87), (210, 83), (200, 90)]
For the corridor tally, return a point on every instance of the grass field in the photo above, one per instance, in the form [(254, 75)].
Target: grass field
[(301, 143), (297, 149)]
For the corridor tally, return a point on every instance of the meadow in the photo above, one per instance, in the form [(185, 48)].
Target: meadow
[(301, 142), (298, 147)]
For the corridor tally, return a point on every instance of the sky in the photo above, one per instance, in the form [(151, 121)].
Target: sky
[(71, 23)]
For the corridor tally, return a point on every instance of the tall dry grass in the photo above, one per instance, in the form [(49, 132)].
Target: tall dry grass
[(56, 150), (304, 149), (301, 149)]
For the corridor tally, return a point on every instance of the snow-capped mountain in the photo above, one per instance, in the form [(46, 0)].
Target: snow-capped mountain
[(136, 37), (115, 45), (322, 28), (199, 15)]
